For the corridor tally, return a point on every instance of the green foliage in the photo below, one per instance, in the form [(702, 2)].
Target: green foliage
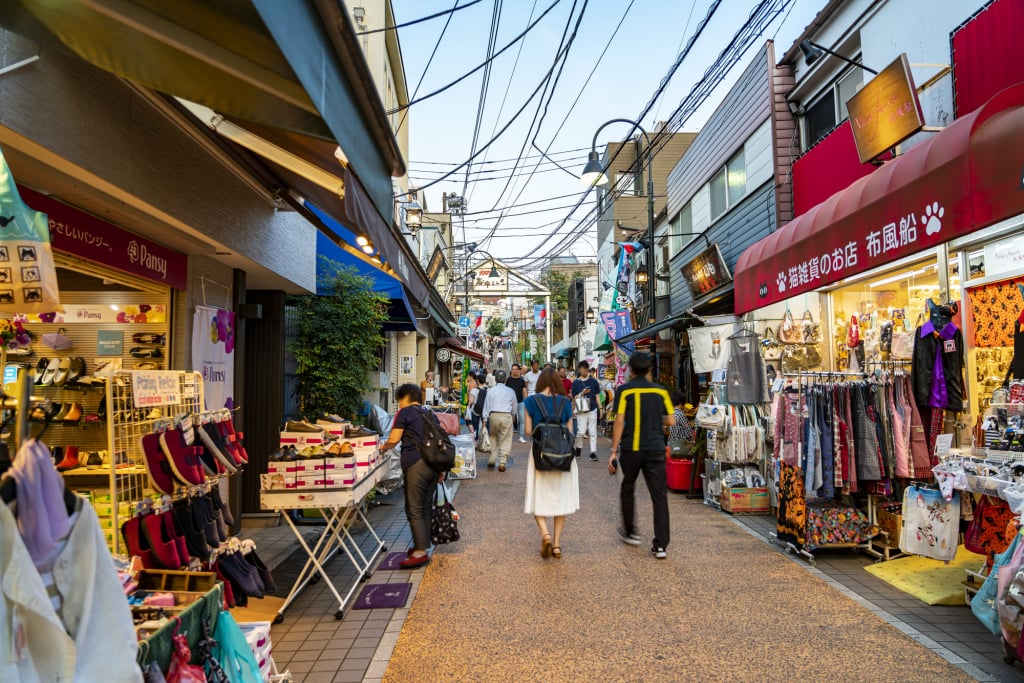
[(558, 284), (339, 340), (495, 327)]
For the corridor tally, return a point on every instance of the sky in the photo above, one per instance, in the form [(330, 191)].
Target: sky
[(519, 204)]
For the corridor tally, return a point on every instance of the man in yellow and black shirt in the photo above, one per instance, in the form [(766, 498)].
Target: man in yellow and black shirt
[(643, 411)]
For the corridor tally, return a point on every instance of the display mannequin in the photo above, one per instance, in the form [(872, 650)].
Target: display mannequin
[(937, 373)]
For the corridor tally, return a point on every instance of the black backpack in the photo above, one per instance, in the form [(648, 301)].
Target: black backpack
[(437, 448), (552, 441), (478, 405)]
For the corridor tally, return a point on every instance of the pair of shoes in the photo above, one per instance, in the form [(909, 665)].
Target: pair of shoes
[(501, 468), (522, 440), (300, 426), (628, 537), (411, 562), (659, 553), (545, 546), (593, 457), (158, 540)]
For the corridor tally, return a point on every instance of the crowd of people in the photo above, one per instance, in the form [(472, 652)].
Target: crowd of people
[(502, 403)]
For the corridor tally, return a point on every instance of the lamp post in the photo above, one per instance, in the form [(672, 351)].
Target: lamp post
[(594, 174)]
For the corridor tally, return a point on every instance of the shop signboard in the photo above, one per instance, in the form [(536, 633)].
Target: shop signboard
[(80, 234), (155, 388), (707, 272), (1005, 256), (110, 343), (886, 111), (483, 282)]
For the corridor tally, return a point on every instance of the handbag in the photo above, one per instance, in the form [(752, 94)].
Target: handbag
[(986, 534), (809, 329), (444, 526), (552, 442), (710, 415), (983, 604), (902, 345), (789, 333), (27, 272), (770, 348)]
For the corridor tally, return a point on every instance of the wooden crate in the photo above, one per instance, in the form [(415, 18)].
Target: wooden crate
[(174, 581)]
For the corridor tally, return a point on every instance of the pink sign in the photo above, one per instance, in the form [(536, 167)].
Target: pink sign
[(79, 234)]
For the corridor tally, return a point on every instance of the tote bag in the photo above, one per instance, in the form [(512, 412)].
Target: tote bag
[(931, 525), (983, 604), (28, 277)]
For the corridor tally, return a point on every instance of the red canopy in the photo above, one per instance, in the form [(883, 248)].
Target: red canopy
[(962, 179)]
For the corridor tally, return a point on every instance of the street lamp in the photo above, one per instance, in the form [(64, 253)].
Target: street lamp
[(813, 52), (642, 277), (591, 315), (413, 216), (594, 173), (458, 307)]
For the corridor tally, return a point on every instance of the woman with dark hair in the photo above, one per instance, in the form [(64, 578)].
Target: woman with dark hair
[(682, 428), (550, 494), (420, 478)]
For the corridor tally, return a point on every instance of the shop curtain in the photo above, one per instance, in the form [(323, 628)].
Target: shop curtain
[(213, 355)]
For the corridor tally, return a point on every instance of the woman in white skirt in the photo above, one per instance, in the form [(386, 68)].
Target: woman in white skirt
[(550, 494)]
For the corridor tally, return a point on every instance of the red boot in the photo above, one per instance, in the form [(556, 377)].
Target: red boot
[(70, 461), (137, 543), (163, 546)]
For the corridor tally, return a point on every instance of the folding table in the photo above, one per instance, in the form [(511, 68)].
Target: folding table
[(339, 507)]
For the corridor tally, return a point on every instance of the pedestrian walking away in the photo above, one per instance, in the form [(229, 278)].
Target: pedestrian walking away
[(552, 494), (585, 391), (499, 406), (518, 385), (643, 412), (471, 416), (532, 376), (420, 478)]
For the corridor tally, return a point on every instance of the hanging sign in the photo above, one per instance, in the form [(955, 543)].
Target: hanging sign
[(1004, 256), (155, 388), (618, 324), (110, 343), (886, 111), (707, 272), (213, 355)]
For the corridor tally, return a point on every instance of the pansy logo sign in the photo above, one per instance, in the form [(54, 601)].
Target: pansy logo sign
[(133, 251)]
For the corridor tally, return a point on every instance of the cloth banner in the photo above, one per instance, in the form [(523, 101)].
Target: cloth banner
[(213, 355), (540, 316), (709, 348)]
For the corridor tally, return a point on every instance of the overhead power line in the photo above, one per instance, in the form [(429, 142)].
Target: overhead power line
[(500, 161), (480, 66), (449, 12)]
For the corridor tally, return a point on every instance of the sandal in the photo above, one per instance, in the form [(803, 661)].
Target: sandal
[(556, 552), (545, 548)]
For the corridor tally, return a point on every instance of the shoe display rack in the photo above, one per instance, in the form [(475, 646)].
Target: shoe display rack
[(128, 422)]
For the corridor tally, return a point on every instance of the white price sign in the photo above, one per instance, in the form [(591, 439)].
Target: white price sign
[(155, 388)]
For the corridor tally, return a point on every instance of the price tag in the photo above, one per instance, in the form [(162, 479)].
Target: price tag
[(943, 442)]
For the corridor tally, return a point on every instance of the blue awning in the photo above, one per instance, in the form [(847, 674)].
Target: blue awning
[(400, 310)]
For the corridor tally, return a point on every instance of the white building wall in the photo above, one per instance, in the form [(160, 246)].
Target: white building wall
[(757, 153)]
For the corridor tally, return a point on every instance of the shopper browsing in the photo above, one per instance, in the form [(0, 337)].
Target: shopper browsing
[(518, 385), (587, 388), (499, 406), (566, 382), (420, 478), (550, 494), (643, 411)]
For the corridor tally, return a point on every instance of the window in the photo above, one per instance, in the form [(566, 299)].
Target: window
[(681, 224), (626, 184), (829, 110), (729, 185)]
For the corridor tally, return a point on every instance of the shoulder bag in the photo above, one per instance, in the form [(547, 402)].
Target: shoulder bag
[(436, 449), (789, 333), (444, 526), (552, 441), (809, 329)]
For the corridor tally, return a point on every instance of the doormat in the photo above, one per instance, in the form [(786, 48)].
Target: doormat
[(390, 563), (383, 596), (928, 580)]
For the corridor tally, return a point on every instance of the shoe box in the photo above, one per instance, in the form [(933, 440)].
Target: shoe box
[(302, 439)]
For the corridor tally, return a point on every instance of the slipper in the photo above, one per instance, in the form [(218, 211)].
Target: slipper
[(147, 365), (63, 370), (142, 352), (51, 372)]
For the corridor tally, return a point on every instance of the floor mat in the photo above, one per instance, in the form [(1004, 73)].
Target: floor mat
[(931, 581), (383, 596)]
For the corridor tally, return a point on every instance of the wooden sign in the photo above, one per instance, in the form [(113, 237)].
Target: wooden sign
[(886, 111)]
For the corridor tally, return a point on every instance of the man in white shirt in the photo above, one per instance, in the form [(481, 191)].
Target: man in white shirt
[(531, 377), (499, 406)]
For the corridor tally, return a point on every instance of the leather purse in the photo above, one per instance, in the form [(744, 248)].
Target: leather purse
[(789, 332), (809, 330)]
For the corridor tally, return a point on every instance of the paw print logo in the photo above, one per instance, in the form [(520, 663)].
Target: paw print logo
[(932, 218), (781, 282)]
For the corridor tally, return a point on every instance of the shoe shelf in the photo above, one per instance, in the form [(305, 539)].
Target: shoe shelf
[(128, 421)]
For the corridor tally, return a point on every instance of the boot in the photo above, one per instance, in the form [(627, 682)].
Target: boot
[(71, 413), (157, 465), (203, 517), (137, 543), (70, 461), (174, 531), (165, 551), (195, 540), (218, 504), (261, 569)]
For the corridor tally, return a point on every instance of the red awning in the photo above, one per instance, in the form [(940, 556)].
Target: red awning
[(456, 346), (962, 179)]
